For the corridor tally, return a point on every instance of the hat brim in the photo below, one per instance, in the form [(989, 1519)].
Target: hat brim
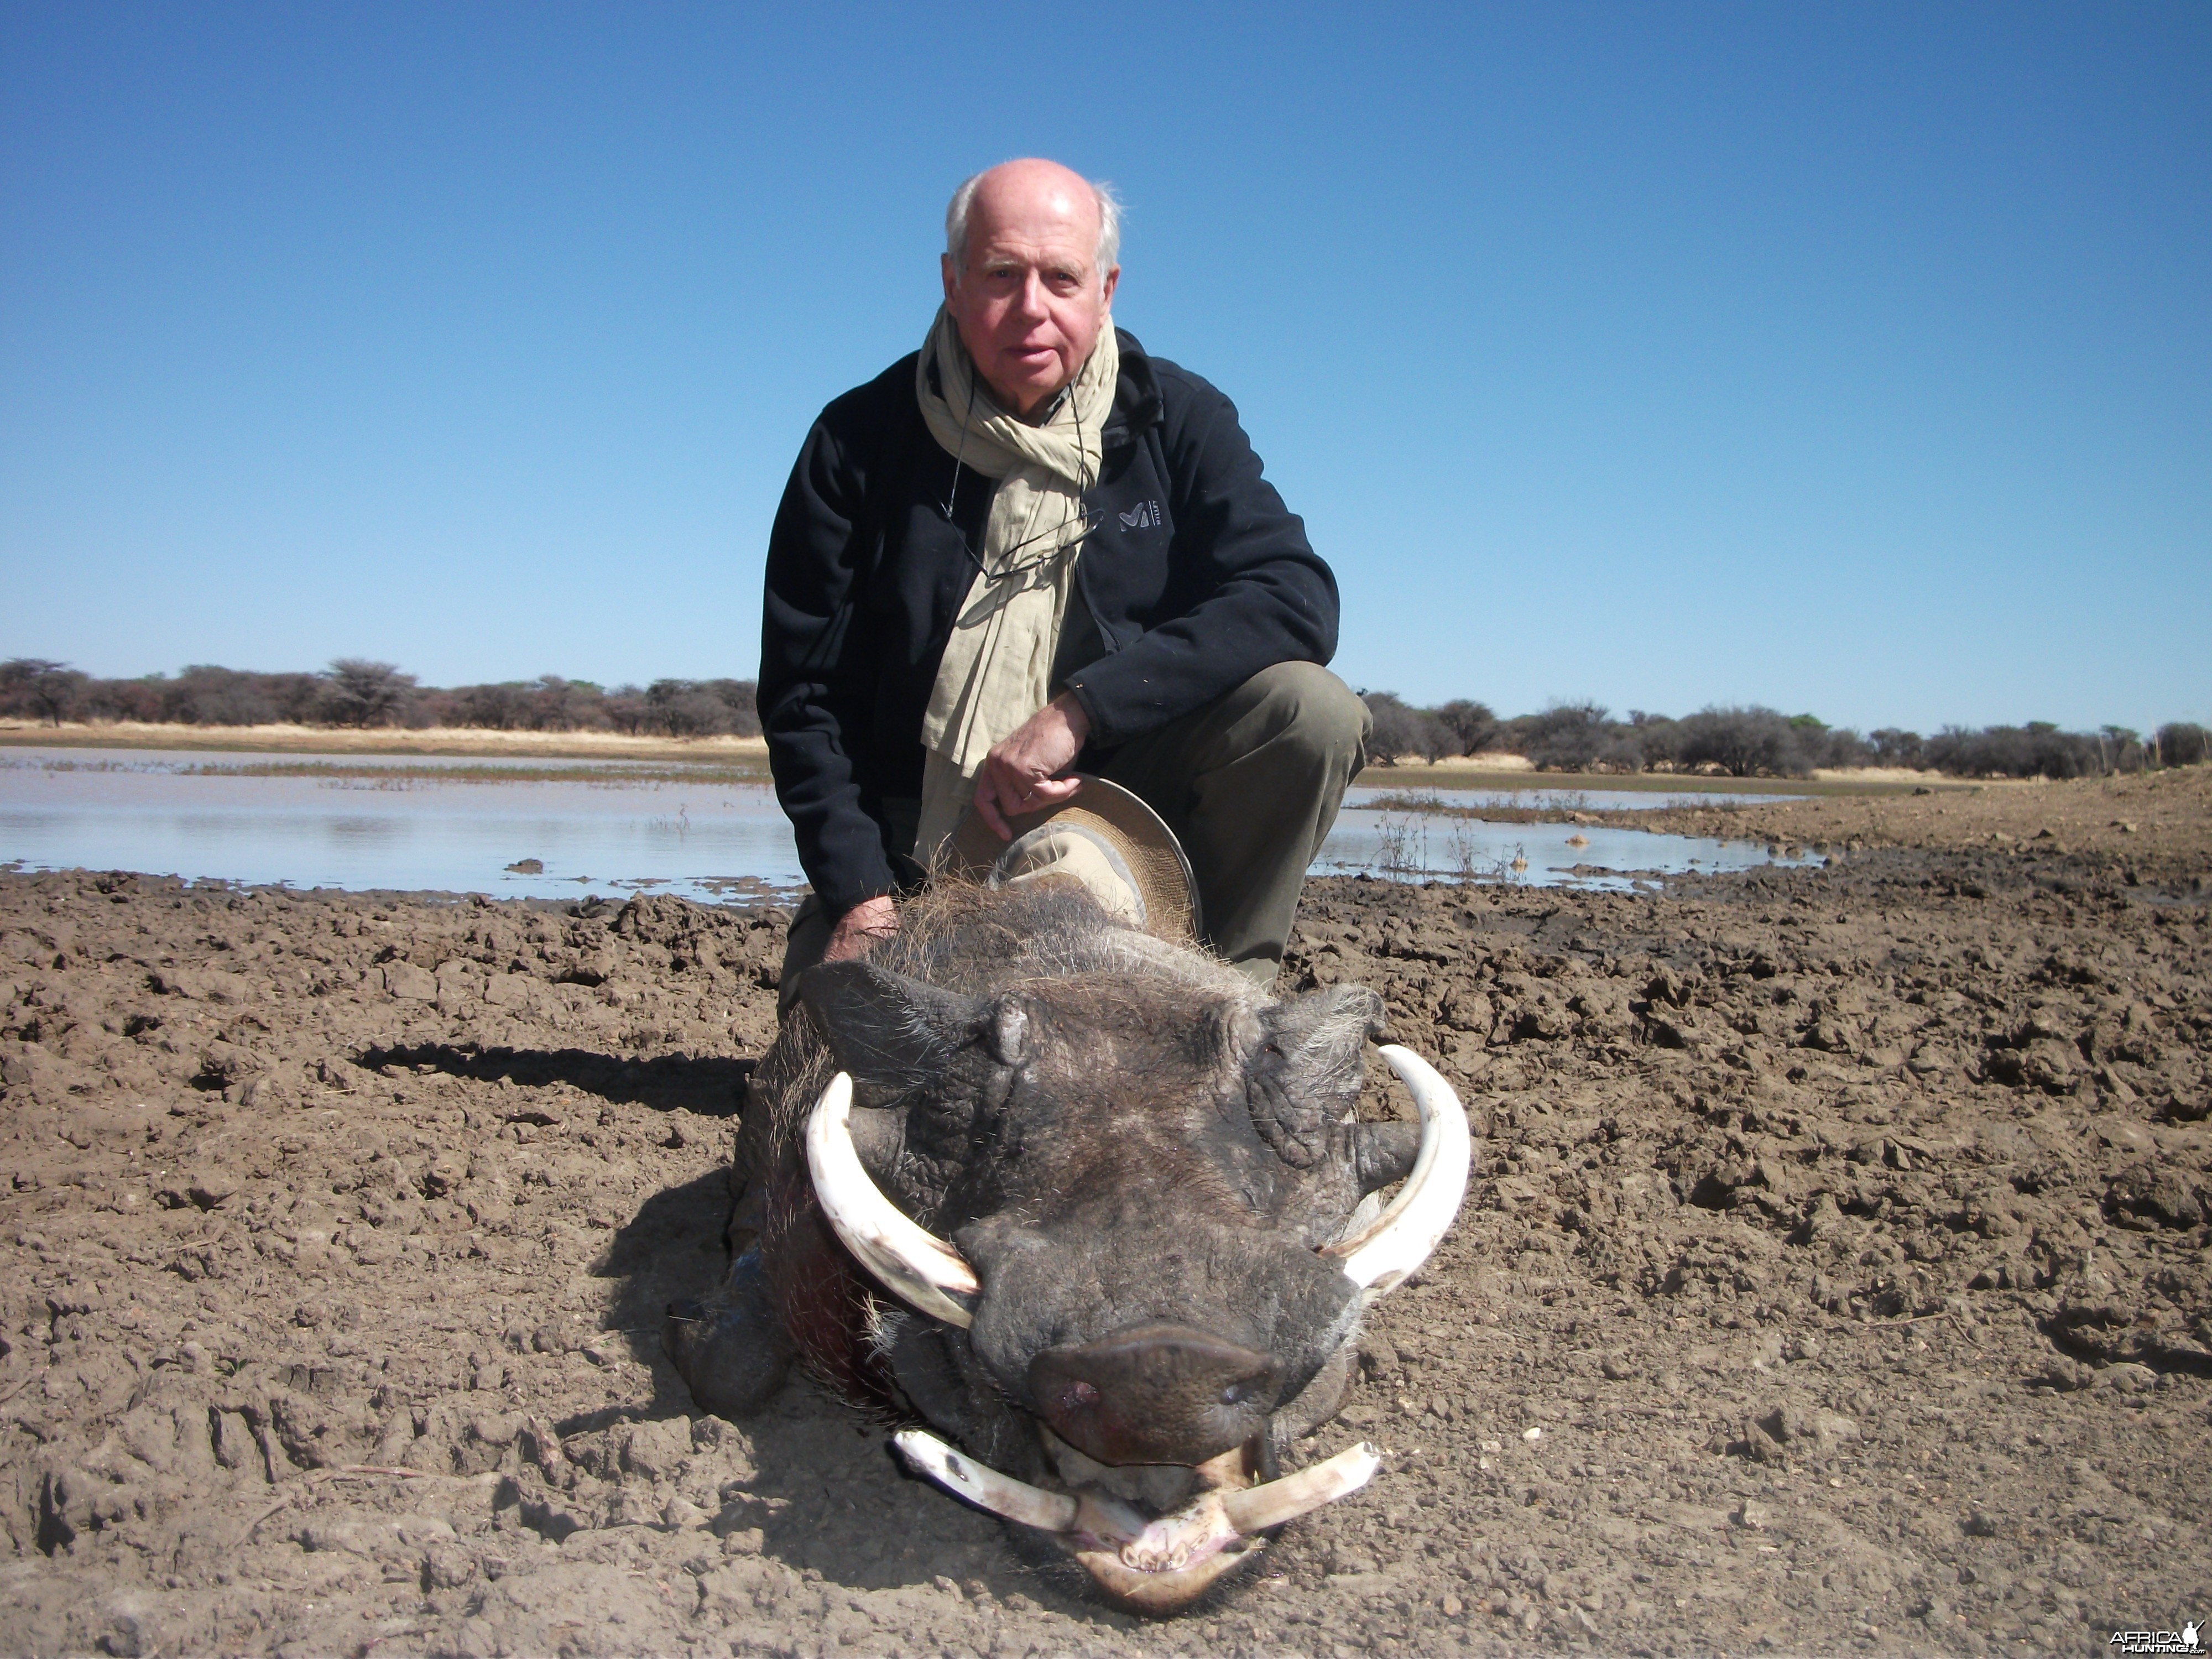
[(1147, 845)]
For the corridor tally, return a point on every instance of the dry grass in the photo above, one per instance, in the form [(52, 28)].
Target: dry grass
[(384, 740)]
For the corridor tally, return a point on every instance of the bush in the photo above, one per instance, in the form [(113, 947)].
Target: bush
[(1401, 730), (128, 700), (501, 708), (1893, 747), (1746, 742), (205, 695), (742, 701), (1655, 735), (548, 703), (1438, 741), (1622, 750), (1838, 746), (559, 705), (2121, 748), (627, 710), (1565, 738), (2037, 749), (2181, 743)]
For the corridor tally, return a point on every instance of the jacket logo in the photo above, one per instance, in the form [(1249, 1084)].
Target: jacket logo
[(1146, 516)]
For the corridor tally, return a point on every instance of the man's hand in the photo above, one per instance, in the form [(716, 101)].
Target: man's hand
[(868, 920), (1021, 775)]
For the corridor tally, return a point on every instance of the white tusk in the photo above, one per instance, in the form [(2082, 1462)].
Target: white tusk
[(986, 1488), (1257, 1507), (913, 1263), (1215, 1517), (1380, 1254)]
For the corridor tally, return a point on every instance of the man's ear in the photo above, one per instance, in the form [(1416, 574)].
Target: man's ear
[(952, 276), (1107, 285), (888, 1030)]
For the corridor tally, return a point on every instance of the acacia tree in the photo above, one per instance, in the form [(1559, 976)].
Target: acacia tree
[(364, 693), (39, 685), (1473, 725)]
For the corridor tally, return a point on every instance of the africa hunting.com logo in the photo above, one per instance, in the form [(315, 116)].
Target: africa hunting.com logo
[(2188, 1639)]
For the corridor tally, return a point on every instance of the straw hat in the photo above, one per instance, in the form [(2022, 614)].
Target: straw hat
[(1104, 838)]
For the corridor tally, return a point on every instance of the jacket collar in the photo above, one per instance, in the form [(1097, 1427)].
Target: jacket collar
[(1136, 394)]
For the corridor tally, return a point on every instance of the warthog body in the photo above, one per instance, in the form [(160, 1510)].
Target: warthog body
[(1132, 1162)]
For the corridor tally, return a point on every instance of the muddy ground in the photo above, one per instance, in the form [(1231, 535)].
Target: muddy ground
[(1834, 1277)]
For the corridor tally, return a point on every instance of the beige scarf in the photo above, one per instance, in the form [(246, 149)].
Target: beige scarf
[(997, 667)]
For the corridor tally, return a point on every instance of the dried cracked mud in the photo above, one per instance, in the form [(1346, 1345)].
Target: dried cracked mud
[(1835, 1276)]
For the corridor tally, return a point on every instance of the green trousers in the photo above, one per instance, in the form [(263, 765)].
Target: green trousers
[(1250, 784)]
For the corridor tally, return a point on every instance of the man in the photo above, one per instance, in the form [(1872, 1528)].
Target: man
[(1032, 549)]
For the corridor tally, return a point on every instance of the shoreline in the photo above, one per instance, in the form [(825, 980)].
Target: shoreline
[(1480, 772), (466, 741)]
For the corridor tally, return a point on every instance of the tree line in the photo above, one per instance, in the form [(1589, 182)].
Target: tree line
[(1756, 742), (354, 691), (1567, 737)]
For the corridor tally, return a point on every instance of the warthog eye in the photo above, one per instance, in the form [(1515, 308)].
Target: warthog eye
[(1077, 1394), (1235, 1392)]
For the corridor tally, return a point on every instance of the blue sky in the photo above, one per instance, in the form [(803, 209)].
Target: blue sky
[(1856, 359)]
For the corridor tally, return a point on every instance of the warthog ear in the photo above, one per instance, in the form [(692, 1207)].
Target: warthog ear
[(886, 1029), (1305, 1075)]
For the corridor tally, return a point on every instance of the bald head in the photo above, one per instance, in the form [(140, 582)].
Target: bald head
[(1029, 276), (1018, 186)]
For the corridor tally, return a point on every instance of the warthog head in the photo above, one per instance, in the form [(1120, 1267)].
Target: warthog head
[(1102, 1198)]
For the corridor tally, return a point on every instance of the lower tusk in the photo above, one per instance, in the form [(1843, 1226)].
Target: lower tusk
[(1379, 1256), (1217, 1517), (986, 1488), (1257, 1507)]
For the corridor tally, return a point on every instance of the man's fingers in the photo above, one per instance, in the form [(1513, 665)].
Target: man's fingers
[(1002, 793), (867, 921), (988, 808)]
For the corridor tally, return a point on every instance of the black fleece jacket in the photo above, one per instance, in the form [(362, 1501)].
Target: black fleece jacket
[(1197, 577)]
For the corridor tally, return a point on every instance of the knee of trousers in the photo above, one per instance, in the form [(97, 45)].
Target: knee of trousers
[(1311, 710)]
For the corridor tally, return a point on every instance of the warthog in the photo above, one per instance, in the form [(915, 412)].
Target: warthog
[(1090, 1207)]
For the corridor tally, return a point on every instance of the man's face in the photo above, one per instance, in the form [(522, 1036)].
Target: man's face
[(1031, 301)]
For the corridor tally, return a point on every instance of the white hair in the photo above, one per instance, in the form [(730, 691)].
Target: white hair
[(1110, 220)]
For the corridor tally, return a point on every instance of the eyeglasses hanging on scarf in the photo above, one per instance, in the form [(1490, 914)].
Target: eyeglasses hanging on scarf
[(1012, 565)]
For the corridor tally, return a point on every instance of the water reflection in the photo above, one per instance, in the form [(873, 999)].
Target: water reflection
[(1543, 797), (1410, 847), (599, 830), (615, 826)]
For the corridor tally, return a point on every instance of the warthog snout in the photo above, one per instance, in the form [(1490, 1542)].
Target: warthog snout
[(1154, 1394)]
